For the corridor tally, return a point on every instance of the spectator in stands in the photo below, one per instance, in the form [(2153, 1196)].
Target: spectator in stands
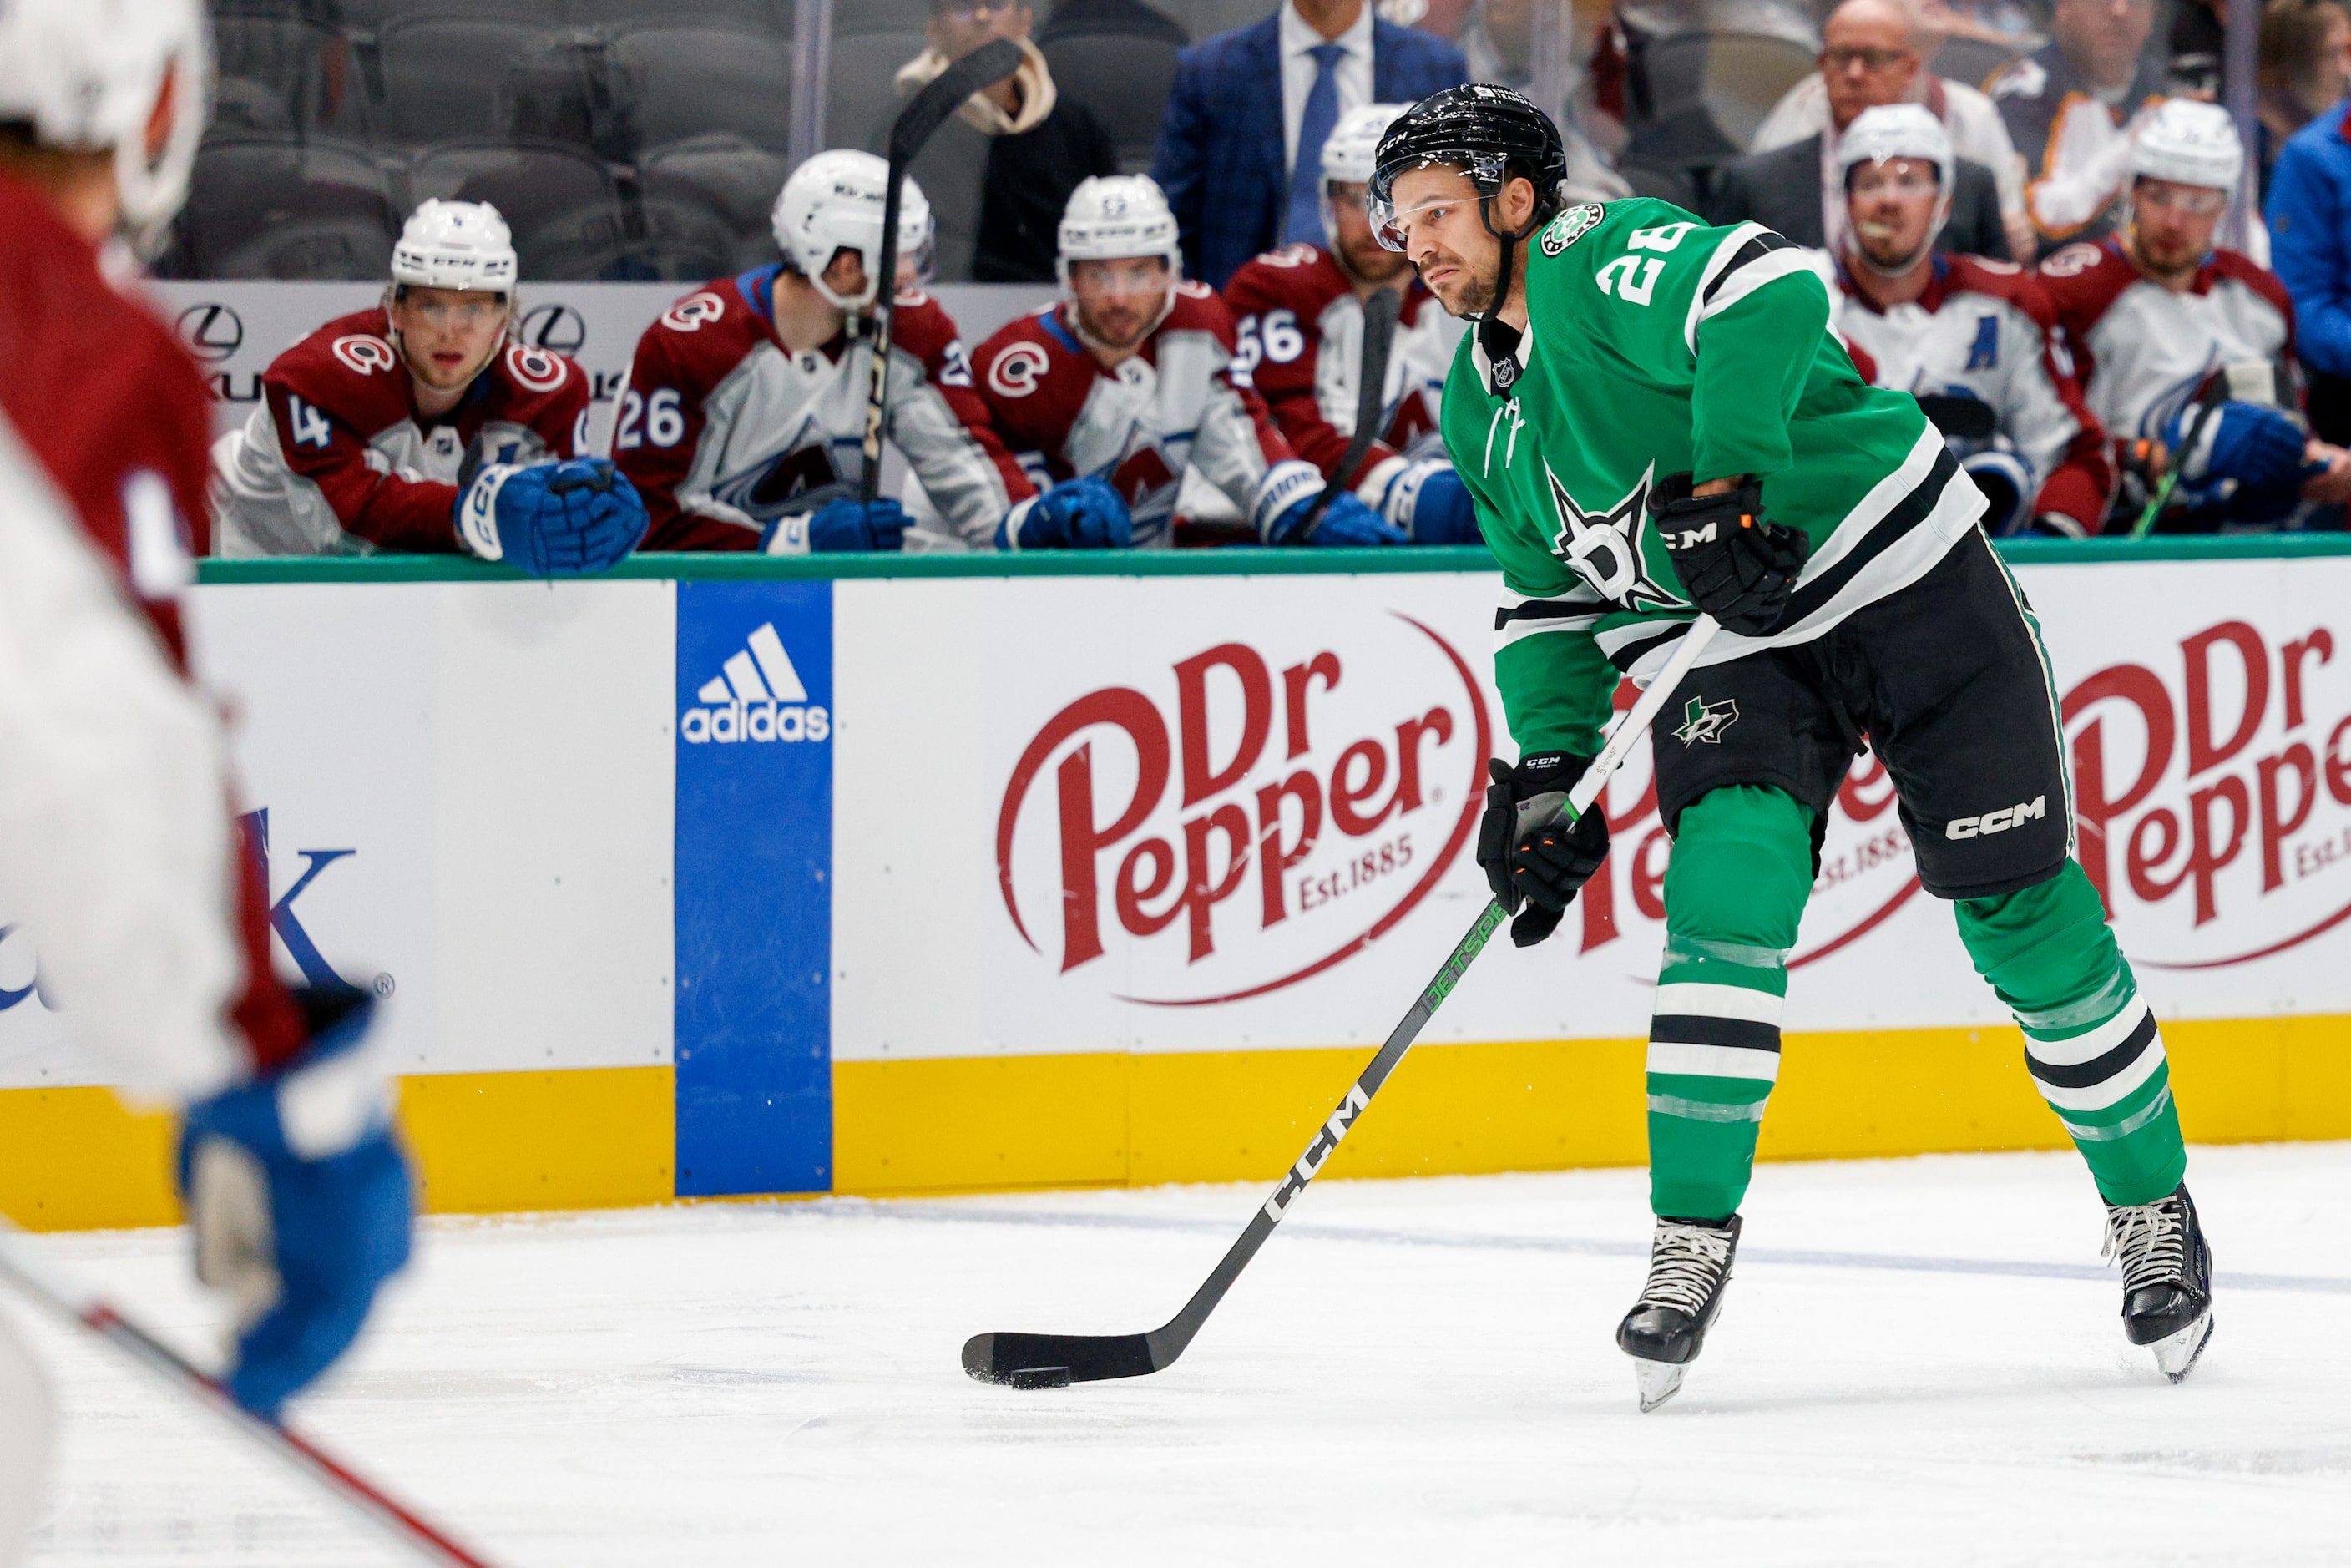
[(1301, 315), (1798, 189), (1044, 145), (2305, 65), (2309, 210), (2067, 106), (1848, 83), (1241, 153), (2185, 349), (371, 428), (1974, 340)]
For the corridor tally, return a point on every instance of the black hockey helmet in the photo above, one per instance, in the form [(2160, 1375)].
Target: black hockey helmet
[(1490, 133)]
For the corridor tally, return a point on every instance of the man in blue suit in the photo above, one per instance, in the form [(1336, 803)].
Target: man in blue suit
[(1241, 147)]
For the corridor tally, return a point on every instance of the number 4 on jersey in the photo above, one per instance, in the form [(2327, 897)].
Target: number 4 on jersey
[(309, 425)]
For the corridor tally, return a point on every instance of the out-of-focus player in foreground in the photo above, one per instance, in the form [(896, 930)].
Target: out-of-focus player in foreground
[(1656, 421), (421, 426), (2185, 348), (1975, 340), (743, 421), (1300, 310), (1130, 380), (117, 850)]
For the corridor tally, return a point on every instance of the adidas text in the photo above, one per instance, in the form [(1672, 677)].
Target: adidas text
[(1992, 822), (758, 697)]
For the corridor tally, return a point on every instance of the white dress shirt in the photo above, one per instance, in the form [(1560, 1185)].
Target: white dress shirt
[(1298, 70)]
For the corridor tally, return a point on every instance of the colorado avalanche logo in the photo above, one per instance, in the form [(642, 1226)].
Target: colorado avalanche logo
[(689, 313), (1014, 371), (536, 369), (801, 478), (1604, 549), (364, 354)]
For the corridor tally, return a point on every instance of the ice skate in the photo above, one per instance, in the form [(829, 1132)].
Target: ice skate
[(1689, 1264), (2167, 1279)]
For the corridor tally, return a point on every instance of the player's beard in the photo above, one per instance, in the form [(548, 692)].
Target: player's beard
[(1134, 323), (1371, 262)]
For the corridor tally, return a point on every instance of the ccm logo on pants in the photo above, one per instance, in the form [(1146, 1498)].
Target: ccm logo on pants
[(1998, 822)]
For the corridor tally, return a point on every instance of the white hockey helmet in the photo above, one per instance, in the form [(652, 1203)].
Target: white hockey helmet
[(1352, 149), (1898, 131), (89, 75), (1112, 216), (455, 244), (834, 203), (2189, 142)]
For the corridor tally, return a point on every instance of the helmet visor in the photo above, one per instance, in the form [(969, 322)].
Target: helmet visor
[(1393, 225)]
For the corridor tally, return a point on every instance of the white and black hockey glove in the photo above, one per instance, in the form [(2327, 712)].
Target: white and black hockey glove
[(1734, 565), (1534, 859)]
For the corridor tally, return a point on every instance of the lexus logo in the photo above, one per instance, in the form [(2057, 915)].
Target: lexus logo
[(556, 326), (211, 332)]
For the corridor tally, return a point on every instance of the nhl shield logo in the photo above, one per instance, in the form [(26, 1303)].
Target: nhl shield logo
[(1570, 226)]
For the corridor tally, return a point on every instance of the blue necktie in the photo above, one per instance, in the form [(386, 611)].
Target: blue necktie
[(1305, 220)]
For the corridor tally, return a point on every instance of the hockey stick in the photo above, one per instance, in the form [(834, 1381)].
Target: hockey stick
[(1371, 402), (2209, 406), (21, 1266), (982, 68), (1056, 1360)]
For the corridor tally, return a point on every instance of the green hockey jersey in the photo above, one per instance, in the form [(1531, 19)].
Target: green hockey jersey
[(1657, 345)]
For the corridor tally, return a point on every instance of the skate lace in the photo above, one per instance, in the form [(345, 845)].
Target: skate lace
[(1686, 1263), (2151, 1241)]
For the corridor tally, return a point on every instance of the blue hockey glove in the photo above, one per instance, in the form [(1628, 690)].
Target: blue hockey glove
[(1080, 514), (2256, 446), (2006, 481), (551, 519), (1346, 524), (1442, 513), (842, 525), (299, 1199)]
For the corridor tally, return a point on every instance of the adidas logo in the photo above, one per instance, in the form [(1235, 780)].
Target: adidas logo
[(758, 697)]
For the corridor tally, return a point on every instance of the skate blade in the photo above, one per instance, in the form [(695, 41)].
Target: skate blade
[(1657, 1382), (2177, 1354)]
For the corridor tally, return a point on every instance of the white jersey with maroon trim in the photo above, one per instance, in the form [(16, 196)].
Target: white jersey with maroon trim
[(724, 429), (1301, 326), (1984, 330), (2143, 352), (337, 460), (1174, 404)]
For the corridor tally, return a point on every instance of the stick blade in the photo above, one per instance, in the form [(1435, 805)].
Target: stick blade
[(1054, 1361), (928, 110)]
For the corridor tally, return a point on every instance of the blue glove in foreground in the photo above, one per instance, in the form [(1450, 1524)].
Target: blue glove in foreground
[(1079, 514), (1347, 524), (2256, 446), (299, 1199), (842, 525), (551, 519), (1443, 514)]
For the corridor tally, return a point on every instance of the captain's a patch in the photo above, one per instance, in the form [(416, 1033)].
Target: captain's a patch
[(1570, 226)]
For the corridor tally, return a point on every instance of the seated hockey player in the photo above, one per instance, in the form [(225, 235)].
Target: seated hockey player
[(2185, 349), (117, 848), (743, 421), (1656, 423), (1129, 382), (374, 429), (1295, 303), (1973, 339)]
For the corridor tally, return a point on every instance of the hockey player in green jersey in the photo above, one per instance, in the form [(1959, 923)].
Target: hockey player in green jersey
[(1655, 422)]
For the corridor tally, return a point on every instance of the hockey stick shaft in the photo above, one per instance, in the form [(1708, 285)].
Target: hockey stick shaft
[(1371, 402), (1047, 1360), (22, 1267), (975, 72), (2154, 509)]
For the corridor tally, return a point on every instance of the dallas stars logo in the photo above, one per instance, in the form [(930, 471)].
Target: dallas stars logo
[(1604, 549), (1703, 722)]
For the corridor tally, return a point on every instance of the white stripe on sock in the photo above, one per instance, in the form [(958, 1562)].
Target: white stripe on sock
[(1713, 1060), (2087, 1046), (2114, 1091)]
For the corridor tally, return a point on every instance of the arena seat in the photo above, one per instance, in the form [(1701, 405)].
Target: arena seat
[(863, 18), (561, 200), (1124, 80), (861, 86), (722, 174), (444, 76), (679, 240), (373, 16), (772, 18), (285, 207), (698, 80), (284, 72)]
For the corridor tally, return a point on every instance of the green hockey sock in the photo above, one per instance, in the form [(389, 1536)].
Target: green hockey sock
[(1741, 868), (2090, 1040)]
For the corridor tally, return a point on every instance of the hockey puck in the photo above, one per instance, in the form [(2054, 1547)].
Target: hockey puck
[(1039, 1378)]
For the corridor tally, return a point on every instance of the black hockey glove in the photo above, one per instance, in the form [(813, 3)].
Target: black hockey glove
[(1535, 860), (1734, 565)]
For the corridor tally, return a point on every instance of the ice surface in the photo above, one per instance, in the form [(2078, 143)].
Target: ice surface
[(1919, 1363)]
